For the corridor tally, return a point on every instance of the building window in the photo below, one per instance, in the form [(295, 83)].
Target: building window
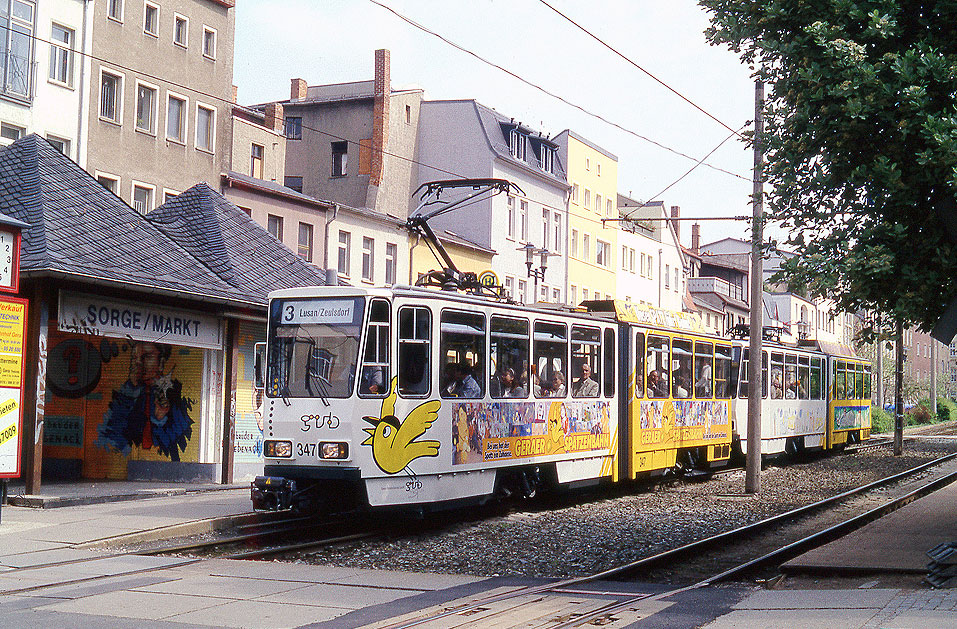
[(391, 253), (586, 248), (114, 10), (522, 287), (602, 253), (608, 208), (256, 161), (547, 159), (408, 114), (305, 241), (61, 55), (574, 251), (517, 144), (523, 217), (60, 144), (205, 128), (145, 108), (209, 42), (340, 158), (631, 260), (293, 128), (16, 47), (651, 267), (511, 216), (667, 275), (677, 284), (557, 295), (293, 182), (10, 133), (598, 168), (111, 95), (587, 199), (143, 198), (176, 118), (624, 258), (575, 193), (180, 30), (587, 163), (274, 225), (509, 286), (546, 227), (598, 203), (368, 259), (109, 182), (345, 252), (573, 295), (151, 19), (558, 233), (169, 195)]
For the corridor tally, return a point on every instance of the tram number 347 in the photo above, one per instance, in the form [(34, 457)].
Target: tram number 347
[(306, 449)]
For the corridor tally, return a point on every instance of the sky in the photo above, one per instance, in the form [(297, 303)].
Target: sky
[(333, 41)]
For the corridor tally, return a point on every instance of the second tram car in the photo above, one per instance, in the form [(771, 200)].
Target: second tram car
[(416, 397)]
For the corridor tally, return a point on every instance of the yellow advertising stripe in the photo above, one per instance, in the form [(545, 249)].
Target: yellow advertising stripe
[(8, 406), (8, 433)]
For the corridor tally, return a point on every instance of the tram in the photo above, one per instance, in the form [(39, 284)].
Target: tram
[(416, 397)]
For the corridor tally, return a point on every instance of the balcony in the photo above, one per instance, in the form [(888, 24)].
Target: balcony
[(716, 285)]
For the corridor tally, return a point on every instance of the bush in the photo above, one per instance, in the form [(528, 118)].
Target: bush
[(945, 409), (920, 414), (881, 420)]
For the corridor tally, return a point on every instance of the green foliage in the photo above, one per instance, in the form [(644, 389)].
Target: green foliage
[(881, 421), (945, 409), (861, 143), (919, 414)]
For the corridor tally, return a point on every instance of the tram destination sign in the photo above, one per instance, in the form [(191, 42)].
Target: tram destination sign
[(96, 316), (325, 311)]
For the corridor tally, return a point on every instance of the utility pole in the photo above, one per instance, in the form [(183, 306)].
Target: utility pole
[(899, 391), (933, 378), (752, 472), (879, 376)]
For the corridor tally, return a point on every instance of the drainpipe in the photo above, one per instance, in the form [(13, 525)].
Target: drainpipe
[(660, 251), (81, 88)]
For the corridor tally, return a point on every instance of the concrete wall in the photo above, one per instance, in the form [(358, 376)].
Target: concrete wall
[(121, 150), (394, 195), (244, 135)]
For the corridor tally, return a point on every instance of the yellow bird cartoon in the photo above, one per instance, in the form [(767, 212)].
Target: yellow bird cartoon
[(393, 444)]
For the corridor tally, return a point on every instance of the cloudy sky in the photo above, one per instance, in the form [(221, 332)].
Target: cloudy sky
[(332, 41)]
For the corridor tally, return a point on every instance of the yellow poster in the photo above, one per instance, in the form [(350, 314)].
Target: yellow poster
[(13, 320)]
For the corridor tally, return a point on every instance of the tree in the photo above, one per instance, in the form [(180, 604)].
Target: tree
[(861, 143)]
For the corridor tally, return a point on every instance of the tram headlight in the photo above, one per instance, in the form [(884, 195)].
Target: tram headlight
[(333, 450), (277, 449)]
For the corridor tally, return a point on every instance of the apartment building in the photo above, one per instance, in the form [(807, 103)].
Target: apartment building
[(43, 84), (161, 96), (592, 248), (652, 270)]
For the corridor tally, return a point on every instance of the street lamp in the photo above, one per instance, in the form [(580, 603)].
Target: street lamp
[(539, 273)]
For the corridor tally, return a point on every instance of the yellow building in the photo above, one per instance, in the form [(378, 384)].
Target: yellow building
[(593, 175), (466, 255)]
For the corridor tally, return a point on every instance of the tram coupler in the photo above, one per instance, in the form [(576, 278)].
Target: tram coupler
[(272, 493)]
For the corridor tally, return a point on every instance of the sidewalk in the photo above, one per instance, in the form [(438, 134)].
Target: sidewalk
[(87, 492)]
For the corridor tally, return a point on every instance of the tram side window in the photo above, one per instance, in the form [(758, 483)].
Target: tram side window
[(791, 377), (804, 377), (640, 365), (722, 371), (738, 371), (586, 361), (840, 373), (764, 375), (745, 374), (462, 352), (375, 379), (777, 376), (508, 352), (703, 370), (659, 366), (681, 368), (415, 342), (611, 354), (867, 385), (859, 381), (816, 389), (550, 351)]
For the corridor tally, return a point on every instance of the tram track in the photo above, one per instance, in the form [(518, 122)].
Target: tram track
[(605, 613)]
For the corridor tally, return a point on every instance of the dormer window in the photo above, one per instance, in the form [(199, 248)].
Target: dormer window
[(547, 158), (517, 144)]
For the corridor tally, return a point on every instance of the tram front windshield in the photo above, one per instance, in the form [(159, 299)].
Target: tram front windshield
[(314, 346)]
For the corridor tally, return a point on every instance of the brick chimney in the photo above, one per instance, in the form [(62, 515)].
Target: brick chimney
[(380, 113), (297, 89), (695, 237), (274, 117), (675, 212)]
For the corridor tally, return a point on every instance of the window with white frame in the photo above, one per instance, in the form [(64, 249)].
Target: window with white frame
[(557, 295), (510, 202), (586, 247), (509, 285), (114, 10), (62, 40), (146, 96), (305, 241), (368, 258), (391, 258), (205, 127), (598, 168), (180, 30), (574, 251), (543, 293), (547, 158), (176, 118), (523, 218), (631, 260), (546, 227), (110, 182), (293, 127), (602, 253), (345, 252), (644, 262), (651, 267), (340, 158), (517, 144), (624, 258), (677, 283), (143, 198), (17, 24), (587, 163), (598, 203), (584, 294), (586, 201), (574, 193), (667, 275), (10, 132), (111, 96), (573, 294), (209, 42), (169, 195), (151, 19), (274, 225), (558, 233), (60, 144), (608, 207), (522, 288)]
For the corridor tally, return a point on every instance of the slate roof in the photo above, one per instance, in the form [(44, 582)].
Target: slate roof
[(230, 244), (80, 230)]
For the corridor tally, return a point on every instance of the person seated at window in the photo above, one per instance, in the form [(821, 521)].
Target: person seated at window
[(372, 381), (555, 387), (657, 387), (464, 384), (683, 383), (585, 386), (702, 388), (508, 384)]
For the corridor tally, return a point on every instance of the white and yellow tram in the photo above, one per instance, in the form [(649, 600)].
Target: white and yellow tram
[(415, 397)]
